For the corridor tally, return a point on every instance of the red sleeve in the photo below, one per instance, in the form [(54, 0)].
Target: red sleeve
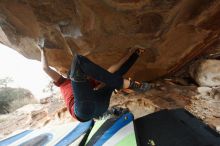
[(66, 90)]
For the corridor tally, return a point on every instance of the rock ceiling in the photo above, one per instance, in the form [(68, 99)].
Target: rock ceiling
[(173, 31)]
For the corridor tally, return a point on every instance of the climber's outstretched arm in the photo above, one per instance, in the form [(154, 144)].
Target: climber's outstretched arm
[(123, 65), (115, 67), (55, 76)]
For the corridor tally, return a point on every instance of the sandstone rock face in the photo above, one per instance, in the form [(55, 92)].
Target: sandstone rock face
[(206, 72), (173, 31)]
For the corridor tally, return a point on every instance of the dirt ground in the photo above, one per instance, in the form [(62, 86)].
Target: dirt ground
[(171, 96), (168, 96)]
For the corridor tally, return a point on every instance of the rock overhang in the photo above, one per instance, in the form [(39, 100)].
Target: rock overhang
[(173, 32)]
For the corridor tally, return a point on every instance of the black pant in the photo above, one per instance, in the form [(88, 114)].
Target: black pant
[(89, 103)]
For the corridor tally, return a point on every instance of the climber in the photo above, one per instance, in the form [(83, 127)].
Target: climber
[(87, 93)]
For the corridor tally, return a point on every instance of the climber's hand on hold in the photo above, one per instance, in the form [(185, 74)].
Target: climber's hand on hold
[(41, 44), (138, 49)]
